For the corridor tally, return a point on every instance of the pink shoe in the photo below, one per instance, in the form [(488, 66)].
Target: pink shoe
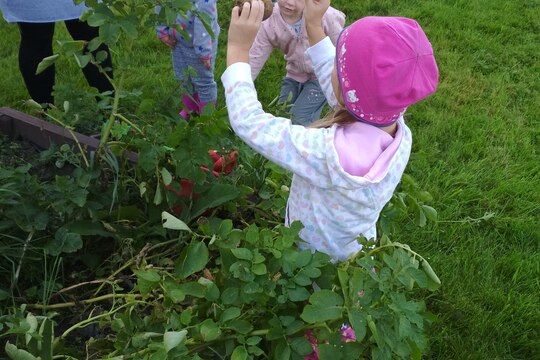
[(184, 114)]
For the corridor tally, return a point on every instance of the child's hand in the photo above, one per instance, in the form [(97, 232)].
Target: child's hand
[(168, 40), (314, 11), (313, 14), (206, 62), (243, 30)]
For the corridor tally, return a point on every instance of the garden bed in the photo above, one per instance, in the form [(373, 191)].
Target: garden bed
[(42, 134)]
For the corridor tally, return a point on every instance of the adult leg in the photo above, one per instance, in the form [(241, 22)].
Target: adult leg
[(309, 104), (35, 45), (80, 30)]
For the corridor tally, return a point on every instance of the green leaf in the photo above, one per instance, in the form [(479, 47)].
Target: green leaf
[(101, 56), (130, 28), (242, 253), (225, 228), (174, 292), (64, 241), (94, 44), (148, 275), (87, 227), (283, 351), (193, 289), (433, 280), (325, 305), (45, 63), (172, 339), (430, 212), (186, 315), (230, 295), (192, 259), (358, 321), (17, 354), (209, 330), (252, 234), (259, 269), (97, 19), (71, 46), (419, 276), (212, 291), (254, 340), (420, 216), (158, 197), (301, 346), (217, 195), (299, 294), (229, 314), (47, 333), (252, 288), (241, 326), (312, 314), (166, 176), (239, 353), (343, 277), (82, 60), (145, 286), (170, 221)]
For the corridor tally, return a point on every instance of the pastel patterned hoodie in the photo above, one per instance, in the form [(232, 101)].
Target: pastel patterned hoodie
[(334, 205), (275, 33), (199, 38)]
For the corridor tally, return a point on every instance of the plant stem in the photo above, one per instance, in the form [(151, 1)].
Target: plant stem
[(395, 244), (83, 154), (86, 301), (97, 281), (18, 271), (87, 322), (132, 261), (123, 118), (107, 131)]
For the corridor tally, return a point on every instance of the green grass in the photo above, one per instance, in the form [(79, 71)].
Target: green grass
[(475, 149)]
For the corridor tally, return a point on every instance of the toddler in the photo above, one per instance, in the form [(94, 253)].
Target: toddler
[(347, 166), (285, 30), (198, 52)]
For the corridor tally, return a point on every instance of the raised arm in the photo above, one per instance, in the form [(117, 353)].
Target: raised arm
[(321, 52), (313, 15), (301, 150)]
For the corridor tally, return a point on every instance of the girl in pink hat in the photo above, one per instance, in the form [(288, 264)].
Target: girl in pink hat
[(347, 166)]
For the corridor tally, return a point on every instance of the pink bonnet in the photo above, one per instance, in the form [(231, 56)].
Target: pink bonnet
[(384, 64)]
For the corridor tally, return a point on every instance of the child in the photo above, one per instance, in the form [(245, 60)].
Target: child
[(198, 52), (285, 30), (346, 167)]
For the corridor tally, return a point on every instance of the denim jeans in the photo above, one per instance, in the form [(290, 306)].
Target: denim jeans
[(307, 100), (200, 81)]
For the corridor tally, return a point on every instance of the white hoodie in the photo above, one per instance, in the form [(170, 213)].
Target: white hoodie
[(334, 206)]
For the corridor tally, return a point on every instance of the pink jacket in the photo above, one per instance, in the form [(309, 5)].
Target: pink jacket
[(276, 33)]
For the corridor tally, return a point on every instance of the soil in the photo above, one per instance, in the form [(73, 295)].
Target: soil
[(15, 153)]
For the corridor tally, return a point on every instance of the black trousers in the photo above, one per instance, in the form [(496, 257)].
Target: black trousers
[(36, 44)]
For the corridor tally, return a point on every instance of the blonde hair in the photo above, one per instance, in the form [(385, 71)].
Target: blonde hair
[(339, 116)]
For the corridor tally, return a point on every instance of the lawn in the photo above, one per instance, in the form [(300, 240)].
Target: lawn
[(475, 150)]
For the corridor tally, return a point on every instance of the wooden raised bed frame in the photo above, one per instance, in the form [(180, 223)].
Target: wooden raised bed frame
[(21, 126)]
